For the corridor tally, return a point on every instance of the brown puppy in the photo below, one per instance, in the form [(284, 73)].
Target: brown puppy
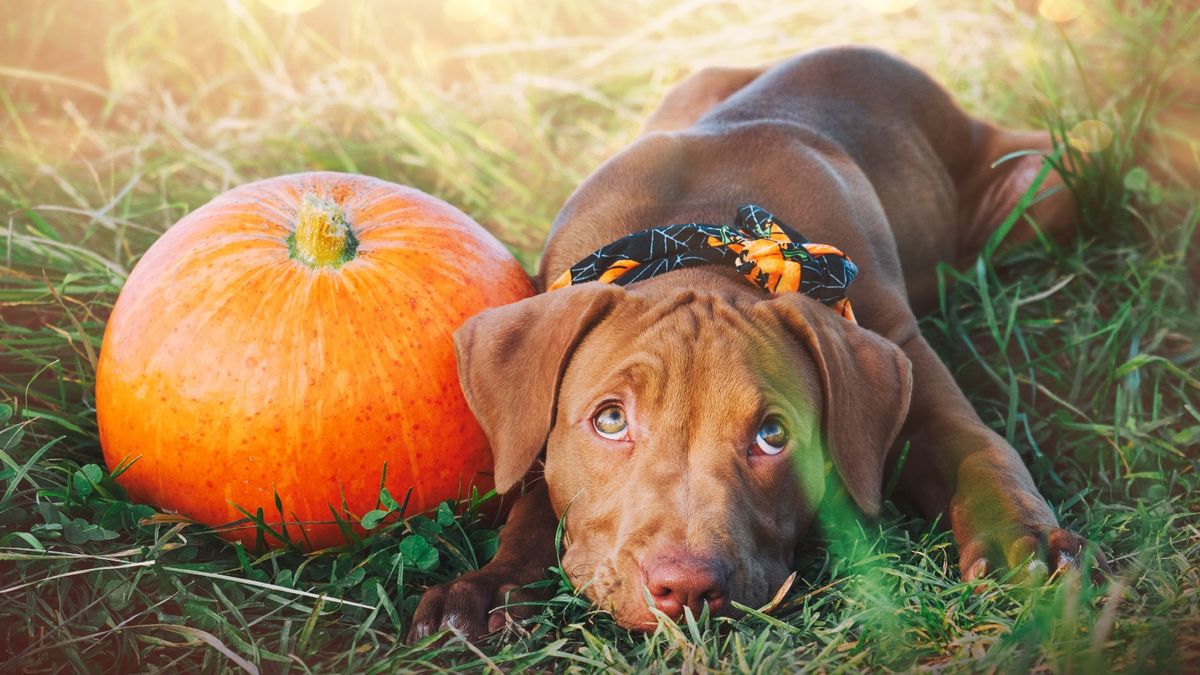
[(685, 421)]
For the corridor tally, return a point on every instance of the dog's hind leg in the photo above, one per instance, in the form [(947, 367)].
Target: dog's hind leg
[(999, 180)]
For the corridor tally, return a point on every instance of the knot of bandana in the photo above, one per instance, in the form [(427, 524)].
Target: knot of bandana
[(770, 254)]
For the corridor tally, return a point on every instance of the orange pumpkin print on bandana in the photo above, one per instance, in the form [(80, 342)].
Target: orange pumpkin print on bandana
[(769, 254)]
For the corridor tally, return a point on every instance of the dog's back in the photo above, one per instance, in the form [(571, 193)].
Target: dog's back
[(808, 138)]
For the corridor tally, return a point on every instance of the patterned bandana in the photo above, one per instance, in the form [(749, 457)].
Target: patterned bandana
[(770, 254)]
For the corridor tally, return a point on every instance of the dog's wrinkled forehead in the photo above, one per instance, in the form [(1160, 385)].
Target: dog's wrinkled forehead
[(677, 316), (669, 325), (710, 350)]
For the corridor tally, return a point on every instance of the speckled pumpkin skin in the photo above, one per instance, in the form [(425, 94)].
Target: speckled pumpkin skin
[(232, 372)]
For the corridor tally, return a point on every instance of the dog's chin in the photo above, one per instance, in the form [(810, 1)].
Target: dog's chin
[(642, 622), (642, 619)]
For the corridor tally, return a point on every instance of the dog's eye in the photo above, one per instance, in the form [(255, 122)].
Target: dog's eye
[(771, 438), (610, 422)]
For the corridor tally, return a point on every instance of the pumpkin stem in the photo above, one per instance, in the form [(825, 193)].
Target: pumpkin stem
[(322, 237)]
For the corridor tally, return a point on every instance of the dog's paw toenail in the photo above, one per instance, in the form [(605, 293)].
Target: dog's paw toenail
[(420, 631), (1037, 569), (454, 622), (978, 570)]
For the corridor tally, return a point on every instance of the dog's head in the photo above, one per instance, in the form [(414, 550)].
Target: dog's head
[(686, 434)]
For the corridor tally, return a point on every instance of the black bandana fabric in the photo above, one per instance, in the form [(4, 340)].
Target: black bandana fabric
[(770, 254)]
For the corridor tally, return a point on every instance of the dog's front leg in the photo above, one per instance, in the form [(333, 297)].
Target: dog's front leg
[(959, 467), (476, 603)]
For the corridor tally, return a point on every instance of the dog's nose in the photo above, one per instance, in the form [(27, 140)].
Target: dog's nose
[(688, 581)]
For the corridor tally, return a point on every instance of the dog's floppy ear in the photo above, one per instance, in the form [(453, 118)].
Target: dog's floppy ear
[(866, 384), (510, 362)]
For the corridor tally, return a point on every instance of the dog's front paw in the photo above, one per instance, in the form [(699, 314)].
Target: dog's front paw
[(471, 606), (1033, 552)]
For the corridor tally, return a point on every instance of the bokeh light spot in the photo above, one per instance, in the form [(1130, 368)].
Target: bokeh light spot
[(1090, 136), (466, 11), (887, 6), (1023, 55), (502, 132), (1061, 11), (292, 6)]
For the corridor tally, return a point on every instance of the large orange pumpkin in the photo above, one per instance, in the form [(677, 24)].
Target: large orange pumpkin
[(292, 336)]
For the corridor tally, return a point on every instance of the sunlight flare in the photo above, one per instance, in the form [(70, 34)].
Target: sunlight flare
[(887, 6), (292, 6), (1061, 11), (466, 11), (1090, 136)]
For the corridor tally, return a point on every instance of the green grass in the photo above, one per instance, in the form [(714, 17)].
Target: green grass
[(117, 117)]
